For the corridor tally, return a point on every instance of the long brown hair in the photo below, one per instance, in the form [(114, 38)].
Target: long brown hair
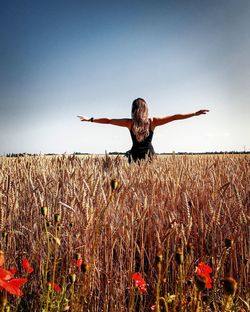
[(140, 119)]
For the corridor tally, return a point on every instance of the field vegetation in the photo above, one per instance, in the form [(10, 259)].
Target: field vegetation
[(97, 234)]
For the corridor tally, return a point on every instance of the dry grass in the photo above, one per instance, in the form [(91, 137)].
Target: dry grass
[(158, 207)]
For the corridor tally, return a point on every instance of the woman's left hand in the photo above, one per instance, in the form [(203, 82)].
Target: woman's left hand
[(82, 118)]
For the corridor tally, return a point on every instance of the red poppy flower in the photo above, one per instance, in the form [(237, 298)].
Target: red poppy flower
[(79, 263), (13, 286), (57, 288), (5, 274), (204, 270), (26, 266), (139, 282)]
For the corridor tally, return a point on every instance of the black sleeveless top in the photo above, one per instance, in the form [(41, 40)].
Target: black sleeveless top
[(141, 149)]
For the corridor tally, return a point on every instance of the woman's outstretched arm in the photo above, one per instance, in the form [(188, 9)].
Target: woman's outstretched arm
[(159, 121), (124, 122)]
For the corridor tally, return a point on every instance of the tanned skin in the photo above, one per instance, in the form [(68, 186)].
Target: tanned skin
[(155, 121)]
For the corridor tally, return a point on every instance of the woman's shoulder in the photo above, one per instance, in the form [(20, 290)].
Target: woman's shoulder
[(129, 122), (151, 123)]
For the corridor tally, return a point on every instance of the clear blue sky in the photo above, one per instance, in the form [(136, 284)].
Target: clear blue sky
[(60, 59)]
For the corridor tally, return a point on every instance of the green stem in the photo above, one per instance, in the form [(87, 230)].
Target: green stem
[(165, 273), (45, 282), (165, 303), (48, 254), (181, 287), (48, 299), (55, 260), (159, 265), (132, 300), (166, 261), (72, 292), (197, 304)]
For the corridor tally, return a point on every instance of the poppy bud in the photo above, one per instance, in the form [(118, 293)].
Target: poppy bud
[(159, 259), (57, 241), (114, 184), (230, 286), (44, 211), (57, 218), (72, 278), (84, 267), (78, 256), (228, 243), (179, 257)]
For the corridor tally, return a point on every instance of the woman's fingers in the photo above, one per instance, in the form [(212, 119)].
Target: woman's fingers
[(202, 111), (82, 118)]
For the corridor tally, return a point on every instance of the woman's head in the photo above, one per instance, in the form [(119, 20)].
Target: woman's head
[(139, 110), (140, 119)]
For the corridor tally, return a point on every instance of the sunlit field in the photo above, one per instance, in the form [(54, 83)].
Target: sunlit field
[(96, 234)]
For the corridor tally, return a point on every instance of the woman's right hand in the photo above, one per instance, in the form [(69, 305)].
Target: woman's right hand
[(201, 112), (82, 118)]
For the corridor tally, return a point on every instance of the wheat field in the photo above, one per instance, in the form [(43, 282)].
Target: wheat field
[(120, 219)]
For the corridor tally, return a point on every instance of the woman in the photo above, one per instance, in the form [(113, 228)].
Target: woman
[(142, 127)]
